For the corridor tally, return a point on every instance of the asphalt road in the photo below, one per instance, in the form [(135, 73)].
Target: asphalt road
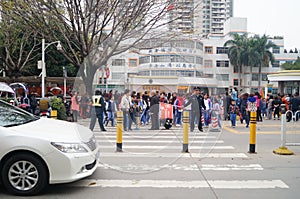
[(218, 165)]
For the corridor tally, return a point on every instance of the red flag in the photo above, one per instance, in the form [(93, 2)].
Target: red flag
[(107, 72)]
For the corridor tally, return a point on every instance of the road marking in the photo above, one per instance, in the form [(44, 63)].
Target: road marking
[(174, 155), (217, 184), (155, 137), (166, 147), (231, 167), (178, 167), (165, 141)]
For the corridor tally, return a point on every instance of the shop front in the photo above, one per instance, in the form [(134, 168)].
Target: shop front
[(288, 81)]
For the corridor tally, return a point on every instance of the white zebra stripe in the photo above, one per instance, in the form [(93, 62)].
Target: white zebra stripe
[(216, 184)]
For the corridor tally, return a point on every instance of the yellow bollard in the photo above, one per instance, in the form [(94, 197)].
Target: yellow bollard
[(252, 131), (54, 114), (185, 137), (119, 130)]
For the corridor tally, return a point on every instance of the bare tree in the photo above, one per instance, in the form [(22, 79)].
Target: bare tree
[(92, 31)]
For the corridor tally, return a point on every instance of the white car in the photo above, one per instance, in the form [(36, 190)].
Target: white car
[(35, 152)]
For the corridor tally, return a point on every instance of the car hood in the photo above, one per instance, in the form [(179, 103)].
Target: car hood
[(54, 130)]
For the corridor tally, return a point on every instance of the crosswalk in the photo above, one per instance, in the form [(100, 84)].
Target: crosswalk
[(147, 151)]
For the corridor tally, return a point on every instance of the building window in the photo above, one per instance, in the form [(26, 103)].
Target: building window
[(264, 77), (144, 73), (133, 62), (222, 77), (199, 60), (222, 63), (254, 77), (100, 81), (199, 74), (222, 50), (208, 49), (208, 63), (235, 82), (145, 59), (118, 62), (276, 64), (117, 75), (276, 50)]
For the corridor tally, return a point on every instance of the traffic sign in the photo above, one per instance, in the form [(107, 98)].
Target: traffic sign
[(252, 106)]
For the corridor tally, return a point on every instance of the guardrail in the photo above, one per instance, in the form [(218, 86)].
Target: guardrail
[(283, 150)]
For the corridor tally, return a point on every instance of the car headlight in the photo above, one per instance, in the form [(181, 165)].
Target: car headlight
[(70, 147)]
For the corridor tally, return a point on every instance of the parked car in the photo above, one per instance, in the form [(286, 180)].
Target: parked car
[(35, 152)]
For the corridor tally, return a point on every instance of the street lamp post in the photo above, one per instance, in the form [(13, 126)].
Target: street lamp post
[(44, 47)]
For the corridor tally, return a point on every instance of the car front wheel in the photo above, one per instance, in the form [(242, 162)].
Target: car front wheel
[(24, 174)]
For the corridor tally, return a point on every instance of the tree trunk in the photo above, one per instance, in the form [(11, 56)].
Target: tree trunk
[(240, 77), (87, 74), (259, 77)]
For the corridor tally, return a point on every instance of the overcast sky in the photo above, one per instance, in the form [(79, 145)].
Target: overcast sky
[(273, 18)]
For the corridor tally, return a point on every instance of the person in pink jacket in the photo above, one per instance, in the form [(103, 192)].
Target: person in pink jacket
[(75, 106)]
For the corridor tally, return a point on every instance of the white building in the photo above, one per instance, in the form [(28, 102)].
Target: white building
[(178, 65)]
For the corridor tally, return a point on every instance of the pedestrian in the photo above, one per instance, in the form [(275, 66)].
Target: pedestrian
[(276, 107), (75, 106), (111, 110), (207, 112), (234, 111), (197, 103), (270, 107), (154, 110), (264, 108), (33, 103), (125, 106), (243, 107), (234, 94), (97, 110), (133, 109), (259, 106), (226, 104), (178, 110), (143, 110), (295, 105)]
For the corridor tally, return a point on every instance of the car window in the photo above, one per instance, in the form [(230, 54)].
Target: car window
[(13, 116)]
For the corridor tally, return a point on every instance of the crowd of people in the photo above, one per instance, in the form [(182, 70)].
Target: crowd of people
[(146, 107), (143, 108)]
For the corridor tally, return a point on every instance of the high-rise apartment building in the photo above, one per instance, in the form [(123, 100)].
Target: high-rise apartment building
[(201, 17), (214, 14)]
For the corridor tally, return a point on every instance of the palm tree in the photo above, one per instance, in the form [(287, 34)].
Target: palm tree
[(251, 58), (260, 54), (237, 52)]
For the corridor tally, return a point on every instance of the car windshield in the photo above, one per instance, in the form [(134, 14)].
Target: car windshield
[(13, 116)]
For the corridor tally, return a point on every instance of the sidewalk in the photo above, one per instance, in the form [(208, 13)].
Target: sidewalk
[(265, 127)]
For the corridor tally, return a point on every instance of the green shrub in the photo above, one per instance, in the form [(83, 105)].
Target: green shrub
[(57, 104)]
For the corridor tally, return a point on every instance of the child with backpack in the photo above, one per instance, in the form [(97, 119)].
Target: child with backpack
[(234, 111)]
